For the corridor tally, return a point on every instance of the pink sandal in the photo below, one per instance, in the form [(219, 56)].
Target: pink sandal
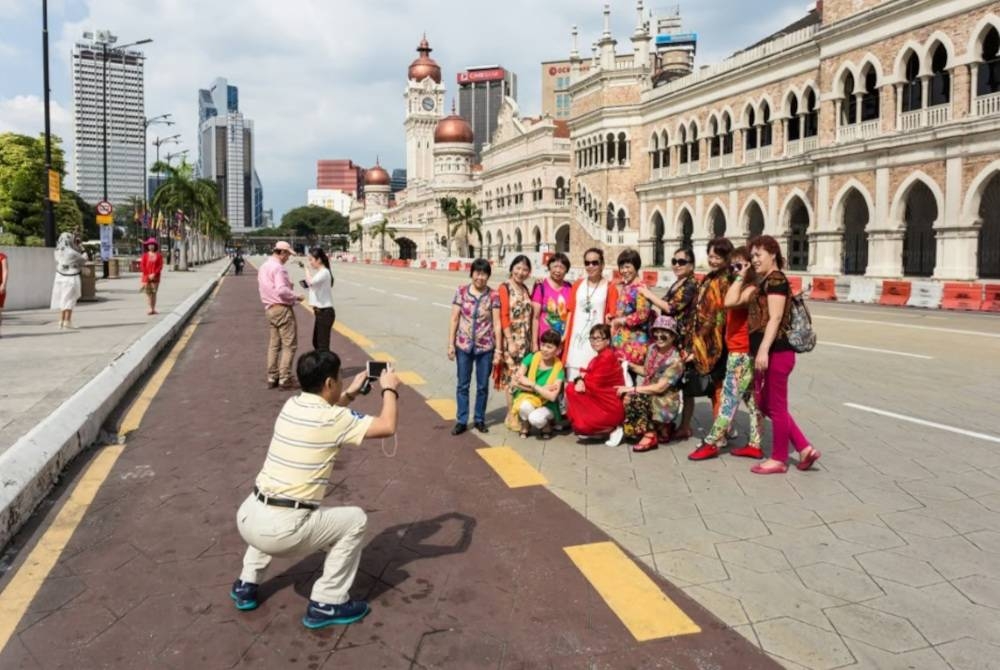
[(776, 469), (807, 461)]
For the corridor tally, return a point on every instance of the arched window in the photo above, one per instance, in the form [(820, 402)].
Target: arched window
[(664, 149), (912, 89), (560, 188), (751, 131), (811, 126), (988, 77), (622, 220), (610, 158), (919, 244), (870, 99), (683, 145), (714, 140), (694, 143), (727, 134), (717, 222), (849, 108), (940, 93), (798, 236), (622, 149), (687, 229), (794, 132), (855, 234), (658, 230), (518, 243), (766, 133), (611, 217), (988, 257), (654, 152)]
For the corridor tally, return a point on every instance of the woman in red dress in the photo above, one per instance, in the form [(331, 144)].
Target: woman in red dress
[(150, 267), (593, 407)]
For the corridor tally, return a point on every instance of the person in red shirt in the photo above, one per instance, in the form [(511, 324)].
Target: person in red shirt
[(150, 267), (738, 382)]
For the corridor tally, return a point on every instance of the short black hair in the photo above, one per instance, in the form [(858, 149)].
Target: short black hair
[(602, 329), (721, 246), (315, 367), (520, 258), (630, 257), (481, 265), (594, 250), (558, 257), (551, 337)]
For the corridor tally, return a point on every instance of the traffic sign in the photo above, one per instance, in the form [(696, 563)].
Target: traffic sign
[(104, 208), (55, 186)]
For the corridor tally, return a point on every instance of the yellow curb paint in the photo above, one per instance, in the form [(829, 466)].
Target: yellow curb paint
[(29, 578), (512, 468), (411, 378), (383, 356), (644, 609), (445, 407), (24, 585), (353, 336)]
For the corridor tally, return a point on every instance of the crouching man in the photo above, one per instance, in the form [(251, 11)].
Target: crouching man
[(283, 516)]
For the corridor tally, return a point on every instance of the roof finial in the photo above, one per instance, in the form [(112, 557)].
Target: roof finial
[(607, 21), (575, 53), (453, 106)]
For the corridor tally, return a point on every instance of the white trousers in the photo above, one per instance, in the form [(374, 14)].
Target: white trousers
[(538, 417), (281, 531)]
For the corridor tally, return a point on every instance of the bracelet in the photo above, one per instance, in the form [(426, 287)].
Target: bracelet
[(392, 391), (738, 278)]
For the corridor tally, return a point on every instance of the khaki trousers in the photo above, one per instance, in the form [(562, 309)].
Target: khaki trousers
[(281, 531), (284, 339)]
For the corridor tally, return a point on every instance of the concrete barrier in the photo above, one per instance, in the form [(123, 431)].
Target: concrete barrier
[(823, 288), (32, 465), (991, 298), (842, 287), (926, 294), (863, 290), (895, 293), (32, 271), (962, 295)]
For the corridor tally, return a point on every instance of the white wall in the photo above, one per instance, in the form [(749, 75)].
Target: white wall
[(32, 270)]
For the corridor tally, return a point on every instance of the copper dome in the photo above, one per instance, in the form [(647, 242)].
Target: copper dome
[(453, 129), (376, 176), (425, 66)]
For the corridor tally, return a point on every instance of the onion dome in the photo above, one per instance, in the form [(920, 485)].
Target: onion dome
[(425, 66), (376, 176), (453, 128)]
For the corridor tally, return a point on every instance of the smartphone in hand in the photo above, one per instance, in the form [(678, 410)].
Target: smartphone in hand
[(374, 369), (303, 283)]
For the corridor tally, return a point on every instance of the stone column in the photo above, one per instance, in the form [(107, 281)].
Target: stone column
[(956, 252), (887, 120), (858, 97), (899, 105), (826, 250), (885, 253)]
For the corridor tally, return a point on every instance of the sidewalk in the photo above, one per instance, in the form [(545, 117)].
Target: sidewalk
[(43, 366), (462, 571)]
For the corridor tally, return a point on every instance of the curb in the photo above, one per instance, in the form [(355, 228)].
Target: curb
[(31, 467)]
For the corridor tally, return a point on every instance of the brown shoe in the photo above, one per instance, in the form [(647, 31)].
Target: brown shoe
[(288, 385), (272, 383)]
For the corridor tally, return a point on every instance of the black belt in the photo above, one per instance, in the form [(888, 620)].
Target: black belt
[(283, 502)]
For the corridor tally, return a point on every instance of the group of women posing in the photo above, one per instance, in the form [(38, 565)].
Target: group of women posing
[(617, 360)]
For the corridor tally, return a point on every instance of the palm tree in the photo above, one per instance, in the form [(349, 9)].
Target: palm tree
[(357, 234), (449, 207), (196, 201), (464, 219), (380, 230)]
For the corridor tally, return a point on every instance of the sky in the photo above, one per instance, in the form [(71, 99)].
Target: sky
[(325, 78)]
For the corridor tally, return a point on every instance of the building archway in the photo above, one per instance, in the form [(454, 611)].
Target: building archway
[(562, 239), (988, 255), (717, 222), (919, 245), (501, 251), (407, 248), (687, 229), (855, 223), (754, 220), (518, 241), (537, 235), (658, 230), (798, 235)]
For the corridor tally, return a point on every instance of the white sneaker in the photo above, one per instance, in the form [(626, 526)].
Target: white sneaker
[(616, 437)]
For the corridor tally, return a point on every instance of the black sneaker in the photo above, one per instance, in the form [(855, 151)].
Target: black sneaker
[(319, 615), (459, 429), (244, 594), (481, 427)]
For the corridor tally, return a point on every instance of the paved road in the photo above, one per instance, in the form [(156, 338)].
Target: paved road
[(131, 566), (885, 556)]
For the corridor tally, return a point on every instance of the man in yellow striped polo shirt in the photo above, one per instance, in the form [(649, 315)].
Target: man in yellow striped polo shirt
[(283, 516)]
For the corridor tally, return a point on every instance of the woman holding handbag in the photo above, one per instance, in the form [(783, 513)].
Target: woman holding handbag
[(516, 325), (150, 267)]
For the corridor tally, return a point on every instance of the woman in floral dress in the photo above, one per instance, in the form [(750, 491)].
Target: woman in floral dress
[(516, 322), (632, 311), (551, 299)]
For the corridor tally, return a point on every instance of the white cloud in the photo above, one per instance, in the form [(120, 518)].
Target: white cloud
[(326, 79)]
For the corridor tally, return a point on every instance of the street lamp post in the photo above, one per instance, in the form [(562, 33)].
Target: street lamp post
[(165, 120), (50, 219), (104, 61)]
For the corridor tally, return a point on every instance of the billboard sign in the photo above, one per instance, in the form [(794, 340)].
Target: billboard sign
[(473, 76), (676, 38)]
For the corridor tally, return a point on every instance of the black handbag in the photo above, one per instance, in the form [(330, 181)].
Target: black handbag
[(696, 384)]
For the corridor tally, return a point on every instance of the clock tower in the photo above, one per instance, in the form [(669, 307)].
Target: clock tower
[(424, 108)]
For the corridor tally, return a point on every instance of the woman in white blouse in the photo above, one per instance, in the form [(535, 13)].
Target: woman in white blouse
[(320, 287)]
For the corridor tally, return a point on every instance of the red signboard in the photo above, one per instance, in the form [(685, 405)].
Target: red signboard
[(472, 76)]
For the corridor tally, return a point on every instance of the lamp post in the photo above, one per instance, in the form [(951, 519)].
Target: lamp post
[(50, 219), (110, 39), (161, 119)]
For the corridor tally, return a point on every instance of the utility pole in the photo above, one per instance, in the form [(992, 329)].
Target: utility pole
[(50, 219)]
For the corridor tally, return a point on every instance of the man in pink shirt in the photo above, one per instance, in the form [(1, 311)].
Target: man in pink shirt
[(279, 299)]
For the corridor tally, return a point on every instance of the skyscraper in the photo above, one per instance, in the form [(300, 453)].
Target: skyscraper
[(480, 92), (125, 118), (340, 174), (226, 154)]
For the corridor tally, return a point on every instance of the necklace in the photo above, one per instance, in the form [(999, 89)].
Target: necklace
[(587, 304)]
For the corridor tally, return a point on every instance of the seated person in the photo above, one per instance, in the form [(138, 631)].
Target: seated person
[(651, 407), (537, 385), (594, 409)]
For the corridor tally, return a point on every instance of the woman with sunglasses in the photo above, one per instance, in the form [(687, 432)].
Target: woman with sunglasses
[(594, 408), (630, 318), (592, 300), (738, 382), (651, 407)]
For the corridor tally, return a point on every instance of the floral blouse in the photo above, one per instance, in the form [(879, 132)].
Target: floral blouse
[(681, 298), (631, 339), (475, 333), (553, 303)]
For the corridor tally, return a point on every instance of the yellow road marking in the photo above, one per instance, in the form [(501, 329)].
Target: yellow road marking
[(353, 336), (411, 378), (644, 609), (24, 585), (445, 407), (512, 468), (383, 356)]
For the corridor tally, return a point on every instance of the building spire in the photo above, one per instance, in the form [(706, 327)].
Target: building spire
[(575, 53), (607, 22)]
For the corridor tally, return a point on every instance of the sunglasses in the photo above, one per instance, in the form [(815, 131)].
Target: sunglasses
[(679, 261), (736, 267), (591, 263), (662, 336)]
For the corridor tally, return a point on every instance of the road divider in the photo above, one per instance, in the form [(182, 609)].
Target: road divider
[(875, 350), (923, 422), (511, 467), (445, 407)]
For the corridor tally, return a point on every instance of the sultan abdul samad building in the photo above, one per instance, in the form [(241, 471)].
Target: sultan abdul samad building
[(864, 137)]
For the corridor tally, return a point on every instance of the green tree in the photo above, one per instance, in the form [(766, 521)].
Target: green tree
[(23, 184), (357, 234), (312, 221), (380, 230), (193, 203), (465, 219)]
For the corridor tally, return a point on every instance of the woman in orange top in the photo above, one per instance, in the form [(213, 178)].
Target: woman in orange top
[(516, 322), (150, 267), (592, 300)]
